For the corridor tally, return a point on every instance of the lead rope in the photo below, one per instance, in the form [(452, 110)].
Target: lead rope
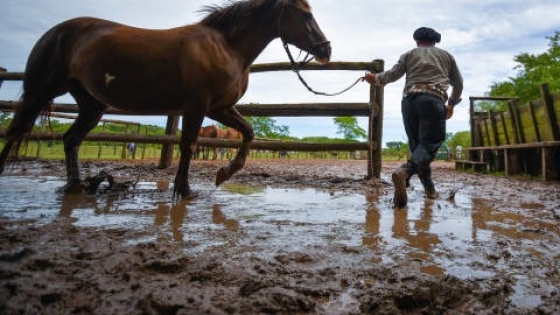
[(296, 67)]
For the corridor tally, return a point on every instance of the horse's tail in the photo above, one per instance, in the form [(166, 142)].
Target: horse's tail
[(44, 79)]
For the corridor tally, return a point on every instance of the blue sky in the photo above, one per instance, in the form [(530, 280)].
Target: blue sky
[(484, 37)]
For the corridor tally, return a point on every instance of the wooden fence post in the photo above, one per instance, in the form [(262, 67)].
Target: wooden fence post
[(375, 128), (124, 148), (171, 127)]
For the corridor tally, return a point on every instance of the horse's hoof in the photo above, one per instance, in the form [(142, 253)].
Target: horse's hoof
[(221, 176)]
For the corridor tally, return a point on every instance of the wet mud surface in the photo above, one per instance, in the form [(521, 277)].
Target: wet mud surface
[(281, 237)]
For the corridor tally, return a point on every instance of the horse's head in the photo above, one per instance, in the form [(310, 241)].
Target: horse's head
[(297, 26)]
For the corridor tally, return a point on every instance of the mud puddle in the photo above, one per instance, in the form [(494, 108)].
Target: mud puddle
[(435, 237)]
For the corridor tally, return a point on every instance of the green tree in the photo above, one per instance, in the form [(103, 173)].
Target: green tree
[(396, 148), (532, 71), (462, 138), (5, 119), (265, 127), (348, 127)]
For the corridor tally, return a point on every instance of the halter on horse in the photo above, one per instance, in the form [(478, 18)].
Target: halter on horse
[(196, 70)]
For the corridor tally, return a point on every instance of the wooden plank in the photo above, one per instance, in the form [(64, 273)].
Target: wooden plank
[(504, 119), (213, 143), (307, 109), (543, 123), (514, 122), (534, 121), (528, 145), (519, 123), (494, 127), (263, 110), (551, 115), (113, 121), (556, 104), (11, 76), (487, 132), (374, 66)]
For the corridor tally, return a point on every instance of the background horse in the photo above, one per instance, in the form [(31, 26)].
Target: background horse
[(229, 134), (215, 132), (196, 70), (210, 132)]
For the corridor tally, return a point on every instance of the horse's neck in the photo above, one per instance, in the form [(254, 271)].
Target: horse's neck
[(251, 43)]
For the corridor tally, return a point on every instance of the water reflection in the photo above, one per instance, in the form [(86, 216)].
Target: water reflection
[(172, 214), (71, 202), (218, 217), (414, 231)]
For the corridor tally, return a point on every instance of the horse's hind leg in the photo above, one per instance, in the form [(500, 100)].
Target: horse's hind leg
[(231, 118), (89, 114), (23, 121)]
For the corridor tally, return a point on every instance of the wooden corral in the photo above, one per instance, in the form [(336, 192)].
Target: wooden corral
[(525, 139), (372, 108)]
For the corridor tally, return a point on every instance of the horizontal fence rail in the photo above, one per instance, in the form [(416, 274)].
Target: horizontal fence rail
[(372, 108), (258, 144), (256, 110)]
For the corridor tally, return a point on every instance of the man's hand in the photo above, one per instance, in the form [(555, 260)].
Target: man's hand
[(371, 78), (449, 108)]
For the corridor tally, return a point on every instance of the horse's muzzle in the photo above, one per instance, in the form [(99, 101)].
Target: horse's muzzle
[(322, 52)]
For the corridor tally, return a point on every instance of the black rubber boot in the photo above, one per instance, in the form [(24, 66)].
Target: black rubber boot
[(426, 180)]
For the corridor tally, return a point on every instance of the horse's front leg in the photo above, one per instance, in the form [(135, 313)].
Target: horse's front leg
[(89, 114), (231, 118), (189, 137)]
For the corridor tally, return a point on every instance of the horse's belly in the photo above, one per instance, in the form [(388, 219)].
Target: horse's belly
[(135, 92)]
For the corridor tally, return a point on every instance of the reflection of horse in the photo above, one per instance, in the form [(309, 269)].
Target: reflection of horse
[(196, 70)]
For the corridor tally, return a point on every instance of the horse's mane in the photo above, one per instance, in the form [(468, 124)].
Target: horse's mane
[(235, 16)]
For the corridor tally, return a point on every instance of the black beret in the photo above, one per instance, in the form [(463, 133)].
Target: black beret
[(427, 34)]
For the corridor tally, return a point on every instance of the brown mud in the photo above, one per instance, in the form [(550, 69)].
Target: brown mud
[(281, 237)]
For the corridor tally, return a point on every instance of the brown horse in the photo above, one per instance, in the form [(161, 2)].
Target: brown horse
[(196, 70), (210, 132), (228, 134)]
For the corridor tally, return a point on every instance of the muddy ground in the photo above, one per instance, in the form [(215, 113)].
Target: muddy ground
[(493, 249)]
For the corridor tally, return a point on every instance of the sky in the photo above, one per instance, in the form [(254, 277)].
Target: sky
[(483, 36)]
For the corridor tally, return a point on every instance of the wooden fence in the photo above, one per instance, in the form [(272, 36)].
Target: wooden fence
[(523, 139), (372, 108)]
